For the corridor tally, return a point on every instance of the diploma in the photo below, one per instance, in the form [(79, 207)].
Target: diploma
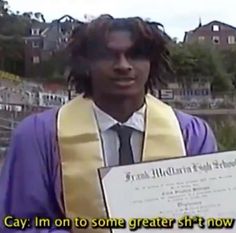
[(181, 188)]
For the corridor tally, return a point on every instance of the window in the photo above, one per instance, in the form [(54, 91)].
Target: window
[(197, 92), (216, 28), (201, 38), (35, 44), (36, 60), (35, 31), (231, 40), (196, 79), (205, 92), (216, 39), (176, 91), (189, 92)]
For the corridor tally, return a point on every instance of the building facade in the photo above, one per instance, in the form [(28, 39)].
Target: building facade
[(45, 39), (216, 33)]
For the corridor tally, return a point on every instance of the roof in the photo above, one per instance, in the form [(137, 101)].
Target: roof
[(44, 27), (66, 16), (205, 25), (53, 87), (213, 22), (39, 25)]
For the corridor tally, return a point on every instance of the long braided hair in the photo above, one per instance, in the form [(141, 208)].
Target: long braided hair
[(88, 36)]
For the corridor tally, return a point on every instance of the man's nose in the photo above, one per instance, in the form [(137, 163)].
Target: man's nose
[(122, 65)]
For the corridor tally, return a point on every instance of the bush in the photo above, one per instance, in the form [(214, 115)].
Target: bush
[(225, 132)]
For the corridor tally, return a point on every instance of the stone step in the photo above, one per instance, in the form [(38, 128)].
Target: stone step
[(3, 150), (5, 133), (4, 144), (5, 136), (9, 117)]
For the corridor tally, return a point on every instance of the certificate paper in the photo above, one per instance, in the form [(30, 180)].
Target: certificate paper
[(195, 186)]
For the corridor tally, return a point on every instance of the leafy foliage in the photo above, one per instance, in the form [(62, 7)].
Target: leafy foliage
[(12, 55), (225, 131), (200, 62)]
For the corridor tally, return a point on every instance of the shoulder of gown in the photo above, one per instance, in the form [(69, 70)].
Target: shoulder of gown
[(198, 135), (29, 172)]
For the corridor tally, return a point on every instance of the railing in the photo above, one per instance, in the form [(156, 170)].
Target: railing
[(219, 104), (20, 107), (6, 127), (6, 122)]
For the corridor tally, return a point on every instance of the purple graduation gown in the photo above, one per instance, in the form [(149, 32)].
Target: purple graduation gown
[(30, 182)]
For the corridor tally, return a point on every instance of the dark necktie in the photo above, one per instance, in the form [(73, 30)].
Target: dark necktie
[(125, 150)]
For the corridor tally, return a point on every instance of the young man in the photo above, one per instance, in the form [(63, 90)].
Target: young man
[(51, 166)]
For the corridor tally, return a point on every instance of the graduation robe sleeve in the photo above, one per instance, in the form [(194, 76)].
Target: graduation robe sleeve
[(198, 136), (29, 175)]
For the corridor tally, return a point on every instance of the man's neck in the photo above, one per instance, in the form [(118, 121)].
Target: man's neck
[(120, 109)]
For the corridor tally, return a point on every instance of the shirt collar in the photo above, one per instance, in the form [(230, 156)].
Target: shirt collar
[(105, 121)]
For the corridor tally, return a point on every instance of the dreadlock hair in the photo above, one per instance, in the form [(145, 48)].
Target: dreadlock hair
[(88, 37)]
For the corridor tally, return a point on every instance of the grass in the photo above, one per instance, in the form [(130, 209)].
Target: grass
[(225, 131)]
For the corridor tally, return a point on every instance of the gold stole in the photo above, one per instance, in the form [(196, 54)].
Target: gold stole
[(81, 152)]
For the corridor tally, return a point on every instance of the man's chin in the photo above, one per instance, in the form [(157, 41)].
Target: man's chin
[(125, 93)]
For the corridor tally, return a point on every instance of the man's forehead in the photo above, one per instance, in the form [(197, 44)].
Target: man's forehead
[(119, 40)]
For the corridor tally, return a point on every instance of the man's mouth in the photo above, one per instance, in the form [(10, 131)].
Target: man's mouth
[(124, 82)]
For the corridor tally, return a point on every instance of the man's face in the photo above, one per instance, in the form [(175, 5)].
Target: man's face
[(119, 69)]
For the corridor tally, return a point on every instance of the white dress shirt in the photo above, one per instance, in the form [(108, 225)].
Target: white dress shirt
[(110, 140)]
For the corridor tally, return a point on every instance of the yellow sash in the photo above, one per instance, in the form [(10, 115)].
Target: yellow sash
[(81, 152)]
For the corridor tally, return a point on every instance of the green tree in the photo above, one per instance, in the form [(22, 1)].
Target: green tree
[(4, 8), (229, 57), (52, 69), (199, 62), (12, 55)]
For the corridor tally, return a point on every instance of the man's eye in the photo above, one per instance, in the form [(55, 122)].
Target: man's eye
[(138, 54), (103, 54), (108, 54)]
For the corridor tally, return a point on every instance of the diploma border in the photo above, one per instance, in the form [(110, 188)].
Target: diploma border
[(103, 191), (108, 168)]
